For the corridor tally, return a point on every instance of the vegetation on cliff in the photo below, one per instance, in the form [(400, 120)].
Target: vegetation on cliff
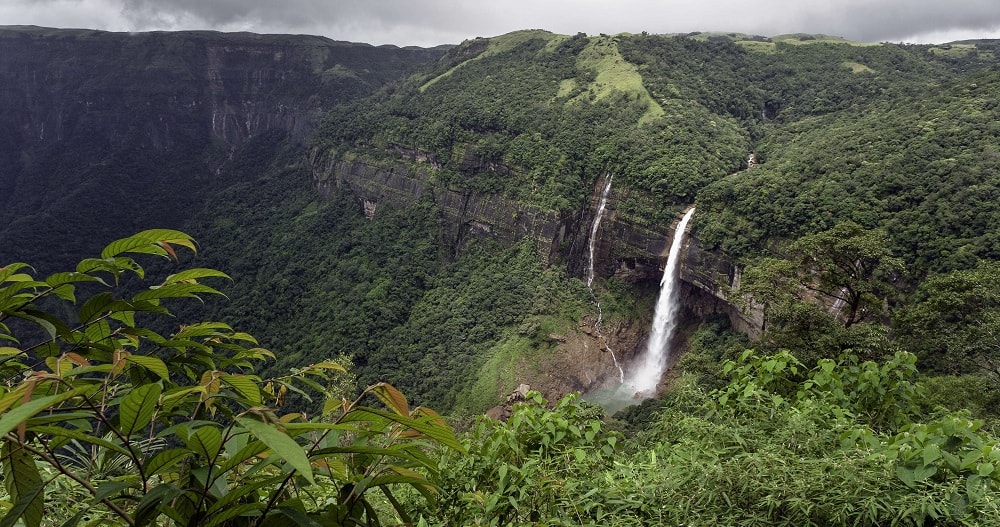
[(893, 143)]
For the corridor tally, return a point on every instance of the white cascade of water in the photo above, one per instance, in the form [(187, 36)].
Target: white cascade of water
[(839, 303), (598, 216), (591, 245), (650, 367)]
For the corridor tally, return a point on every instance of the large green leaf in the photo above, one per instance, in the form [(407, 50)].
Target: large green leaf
[(193, 274), (10, 269), (61, 283), (34, 497), (22, 413), (98, 331), (137, 408), (237, 494), (164, 460), (282, 445), (24, 483), (206, 441), (95, 306), (59, 279), (152, 364), (203, 329), (431, 427), (251, 449), (184, 290), (391, 397), (49, 327), (155, 501), (72, 433), (245, 385), (21, 287), (153, 241), (110, 488)]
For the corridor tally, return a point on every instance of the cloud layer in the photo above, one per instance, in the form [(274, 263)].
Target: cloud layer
[(432, 22)]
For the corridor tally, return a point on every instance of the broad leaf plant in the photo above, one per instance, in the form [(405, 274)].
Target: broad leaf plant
[(154, 427)]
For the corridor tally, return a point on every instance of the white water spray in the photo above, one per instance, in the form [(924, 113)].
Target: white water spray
[(650, 367), (598, 216)]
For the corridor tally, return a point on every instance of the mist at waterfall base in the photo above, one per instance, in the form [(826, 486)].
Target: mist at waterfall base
[(645, 372)]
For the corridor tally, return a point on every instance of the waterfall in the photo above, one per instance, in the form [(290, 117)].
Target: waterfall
[(596, 225), (650, 367), (591, 245), (838, 303)]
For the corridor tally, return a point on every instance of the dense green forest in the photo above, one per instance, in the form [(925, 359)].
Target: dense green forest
[(864, 237)]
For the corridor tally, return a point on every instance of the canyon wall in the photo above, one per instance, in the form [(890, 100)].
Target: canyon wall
[(467, 214), (626, 248)]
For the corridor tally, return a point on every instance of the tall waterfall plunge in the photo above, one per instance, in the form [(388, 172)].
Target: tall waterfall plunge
[(646, 372)]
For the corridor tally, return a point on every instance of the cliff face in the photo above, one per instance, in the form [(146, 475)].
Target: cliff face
[(712, 287), (468, 215), (624, 248)]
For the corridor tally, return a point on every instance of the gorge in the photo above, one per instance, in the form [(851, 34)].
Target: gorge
[(298, 154)]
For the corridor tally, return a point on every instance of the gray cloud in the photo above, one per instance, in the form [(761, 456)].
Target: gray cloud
[(898, 19), (431, 22)]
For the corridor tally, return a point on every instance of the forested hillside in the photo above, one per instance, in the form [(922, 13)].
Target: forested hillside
[(425, 217), (893, 144)]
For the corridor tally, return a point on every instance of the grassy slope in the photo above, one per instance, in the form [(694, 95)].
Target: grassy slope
[(615, 75)]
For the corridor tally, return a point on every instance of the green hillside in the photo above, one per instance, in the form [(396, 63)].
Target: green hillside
[(837, 354)]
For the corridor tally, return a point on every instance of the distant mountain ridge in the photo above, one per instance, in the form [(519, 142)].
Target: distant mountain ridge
[(93, 117)]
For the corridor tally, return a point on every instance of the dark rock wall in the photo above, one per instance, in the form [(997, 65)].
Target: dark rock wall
[(104, 134), (467, 214), (626, 248)]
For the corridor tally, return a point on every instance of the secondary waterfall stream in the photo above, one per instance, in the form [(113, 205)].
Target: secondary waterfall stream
[(592, 243), (650, 367), (598, 216)]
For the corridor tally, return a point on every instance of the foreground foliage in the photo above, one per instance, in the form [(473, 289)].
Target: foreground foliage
[(129, 424), (779, 444)]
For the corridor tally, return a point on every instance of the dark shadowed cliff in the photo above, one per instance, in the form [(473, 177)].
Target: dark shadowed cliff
[(123, 131)]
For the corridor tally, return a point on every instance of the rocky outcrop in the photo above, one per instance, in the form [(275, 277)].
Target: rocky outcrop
[(712, 287), (467, 214)]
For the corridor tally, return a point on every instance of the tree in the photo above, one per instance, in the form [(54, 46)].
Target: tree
[(954, 322), (848, 265), (200, 438), (767, 283)]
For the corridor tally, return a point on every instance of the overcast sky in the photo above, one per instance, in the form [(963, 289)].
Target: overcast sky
[(432, 22)]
